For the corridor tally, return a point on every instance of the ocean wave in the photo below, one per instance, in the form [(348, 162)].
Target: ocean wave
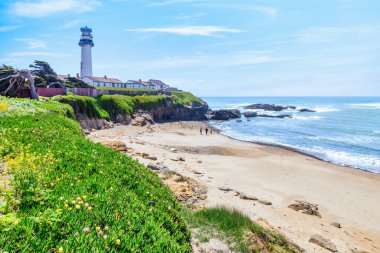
[(376, 132), (323, 109), (345, 158), (345, 139), (306, 118), (367, 105)]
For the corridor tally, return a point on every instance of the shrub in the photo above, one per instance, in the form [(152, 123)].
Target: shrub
[(117, 104), (83, 105), (182, 98), (150, 102)]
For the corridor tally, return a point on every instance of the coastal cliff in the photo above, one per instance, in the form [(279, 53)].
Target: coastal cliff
[(104, 111), (170, 112)]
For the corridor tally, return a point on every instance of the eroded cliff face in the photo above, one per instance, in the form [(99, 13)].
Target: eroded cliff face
[(172, 113), (142, 117)]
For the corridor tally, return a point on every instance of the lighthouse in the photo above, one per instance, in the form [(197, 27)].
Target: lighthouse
[(86, 44)]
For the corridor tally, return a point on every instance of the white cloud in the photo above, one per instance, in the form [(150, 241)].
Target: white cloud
[(33, 43), (44, 8), (70, 24), (188, 17), (34, 53), (8, 28), (188, 30), (266, 10)]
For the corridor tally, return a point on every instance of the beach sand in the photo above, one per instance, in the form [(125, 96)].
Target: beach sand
[(348, 196)]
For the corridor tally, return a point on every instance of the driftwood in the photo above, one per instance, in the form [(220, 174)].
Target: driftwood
[(17, 81)]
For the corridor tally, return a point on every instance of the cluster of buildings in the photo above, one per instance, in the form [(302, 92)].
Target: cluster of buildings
[(86, 43)]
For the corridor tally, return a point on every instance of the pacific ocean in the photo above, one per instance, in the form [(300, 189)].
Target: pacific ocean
[(342, 130)]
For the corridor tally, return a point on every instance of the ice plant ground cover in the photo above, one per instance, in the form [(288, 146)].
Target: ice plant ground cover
[(68, 194)]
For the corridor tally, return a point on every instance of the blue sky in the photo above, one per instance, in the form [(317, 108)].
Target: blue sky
[(209, 47)]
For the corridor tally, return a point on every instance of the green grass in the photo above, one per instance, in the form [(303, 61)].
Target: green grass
[(236, 229), (117, 105), (147, 102), (182, 98), (83, 105), (121, 89), (63, 183)]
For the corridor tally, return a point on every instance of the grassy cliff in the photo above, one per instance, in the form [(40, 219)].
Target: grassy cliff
[(67, 194), (109, 106)]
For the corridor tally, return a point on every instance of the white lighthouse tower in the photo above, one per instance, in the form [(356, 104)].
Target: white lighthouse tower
[(86, 44)]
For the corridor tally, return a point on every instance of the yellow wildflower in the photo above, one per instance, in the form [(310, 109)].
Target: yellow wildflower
[(97, 229), (117, 242), (77, 206), (60, 249)]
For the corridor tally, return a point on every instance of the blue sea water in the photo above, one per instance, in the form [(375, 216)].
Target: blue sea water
[(343, 130)]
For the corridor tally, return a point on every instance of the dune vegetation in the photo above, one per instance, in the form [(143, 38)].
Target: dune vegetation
[(236, 229)]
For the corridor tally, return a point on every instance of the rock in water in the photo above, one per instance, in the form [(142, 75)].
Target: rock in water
[(323, 242), (281, 116), (225, 114), (250, 114), (306, 110), (269, 107)]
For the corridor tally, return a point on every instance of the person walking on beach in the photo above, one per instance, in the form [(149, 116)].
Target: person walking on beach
[(201, 130), (206, 130), (210, 130)]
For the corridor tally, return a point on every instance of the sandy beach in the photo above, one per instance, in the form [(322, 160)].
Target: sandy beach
[(344, 195)]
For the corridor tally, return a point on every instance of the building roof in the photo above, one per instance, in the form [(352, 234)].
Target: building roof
[(140, 82), (158, 82), (104, 79)]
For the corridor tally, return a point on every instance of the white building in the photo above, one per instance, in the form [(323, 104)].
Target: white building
[(139, 84), (159, 85), (103, 82), (86, 44)]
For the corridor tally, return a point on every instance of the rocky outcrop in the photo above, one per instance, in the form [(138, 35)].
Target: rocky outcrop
[(306, 110), (141, 119), (323, 242), (306, 208), (225, 114), (173, 113), (269, 107), (281, 116), (187, 190), (250, 114), (93, 123)]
